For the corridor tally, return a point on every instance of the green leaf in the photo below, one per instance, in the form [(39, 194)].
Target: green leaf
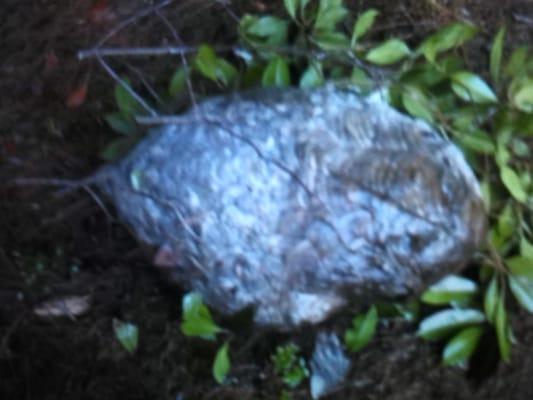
[(125, 101), (517, 62), (503, 329), (490, 300), (520, 266), (470, 87), (276, 73), (331, 41), (507, 222), (442, 323), (206, 62), (291, 6), (121, 123), (416, 103), (424, 75), (523, 97), (225, 72), (312, 76), (362, 331), (363, 24), (197, 320), (478, 141), (212, 67), (447, 38), (329, 17), (127, 334), (119, 147), (452, 288), (389, 52), (222, 364), (461, 347), (360, 79), (520, 147), (496, 55), (178, 82), (512, 182), (526, 248), (271, 31), (522, 288)]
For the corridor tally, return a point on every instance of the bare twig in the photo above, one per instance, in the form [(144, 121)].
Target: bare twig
[(126, 87), (166, 120), (135, 51), (146, 84), (184, 61)]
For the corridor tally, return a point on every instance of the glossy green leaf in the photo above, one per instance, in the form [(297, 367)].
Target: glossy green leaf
[(423, 75), (442, 323), (506, 223), (360, 79), (472, 88), (212, 67), (503, 329), (196, 319), (222, 364), (225, 72), (512, 182), (520, 266), (517, 62), (206, 62), (291, 6), (362, 331), (460, 348), (121, 123), (522, 288), (389, 52), (178, 82), (478, 141), (329, 17), (312, 76), (331, 41), (490, 300), (526, 248), (276, 73), (520, 147), (523, 97), (452, 288), (269, 30), (125, 101), (363, 24), (416, 103), (496, 55), (447, 38), (127, 334)]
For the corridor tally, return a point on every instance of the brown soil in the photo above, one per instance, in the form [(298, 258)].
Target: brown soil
[(53, 246)]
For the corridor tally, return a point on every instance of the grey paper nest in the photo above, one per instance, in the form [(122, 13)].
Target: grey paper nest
[(299, 202)]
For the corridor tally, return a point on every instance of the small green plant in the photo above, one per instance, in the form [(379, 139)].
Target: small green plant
[(289, 365), (198, 322), (362, 330)]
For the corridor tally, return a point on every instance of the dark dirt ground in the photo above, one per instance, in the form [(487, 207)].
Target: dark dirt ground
[(67, 246)]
